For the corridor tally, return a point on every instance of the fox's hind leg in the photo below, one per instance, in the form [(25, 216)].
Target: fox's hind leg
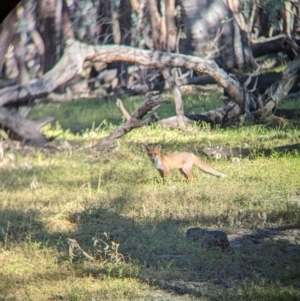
[(187, 172)]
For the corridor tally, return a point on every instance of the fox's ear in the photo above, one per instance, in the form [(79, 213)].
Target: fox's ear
[(158, 147), (145, 148)]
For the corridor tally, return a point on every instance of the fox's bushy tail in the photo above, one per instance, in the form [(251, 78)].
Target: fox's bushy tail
[(207, 168)]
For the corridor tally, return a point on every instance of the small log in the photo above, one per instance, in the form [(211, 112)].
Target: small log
[(220, 152)]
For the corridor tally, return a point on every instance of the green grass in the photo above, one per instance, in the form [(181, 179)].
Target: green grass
[(86, 114), (75, 192)]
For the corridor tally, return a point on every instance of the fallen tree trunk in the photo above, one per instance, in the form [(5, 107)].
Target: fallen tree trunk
[(288, 113), (26, 130), (280, 43)]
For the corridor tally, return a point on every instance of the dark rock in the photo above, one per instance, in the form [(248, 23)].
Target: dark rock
[(208, 237)]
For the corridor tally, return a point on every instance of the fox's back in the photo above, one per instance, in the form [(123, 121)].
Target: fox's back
[(177, 160)]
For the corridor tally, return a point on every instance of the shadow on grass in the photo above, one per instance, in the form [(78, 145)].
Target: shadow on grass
[(20, 179), (163, 255)]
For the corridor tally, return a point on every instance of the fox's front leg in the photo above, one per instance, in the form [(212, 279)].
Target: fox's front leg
[(165, 174), (161, 173)]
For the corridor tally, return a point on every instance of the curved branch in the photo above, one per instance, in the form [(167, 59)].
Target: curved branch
[(76, 53)]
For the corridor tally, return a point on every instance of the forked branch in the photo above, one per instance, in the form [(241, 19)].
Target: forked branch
[(135, 121)]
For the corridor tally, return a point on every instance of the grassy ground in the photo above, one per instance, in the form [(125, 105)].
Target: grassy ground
[(49, 196)]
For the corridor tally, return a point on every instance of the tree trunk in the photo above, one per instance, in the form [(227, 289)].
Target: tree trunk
[(125, 11), (233, 50), (20, 52), (115, 23), (67, 29), (6, 35), (171, 27), (46, 16), (30, 13), (155, 21), (202, 19)]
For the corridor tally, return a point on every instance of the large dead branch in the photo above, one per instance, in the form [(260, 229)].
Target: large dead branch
[(135, 121), (76, 53), (220, 115)]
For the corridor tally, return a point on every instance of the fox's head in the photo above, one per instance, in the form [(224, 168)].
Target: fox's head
[(152, 152)]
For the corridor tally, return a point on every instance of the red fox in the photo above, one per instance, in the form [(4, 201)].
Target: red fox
[(182, 161)]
